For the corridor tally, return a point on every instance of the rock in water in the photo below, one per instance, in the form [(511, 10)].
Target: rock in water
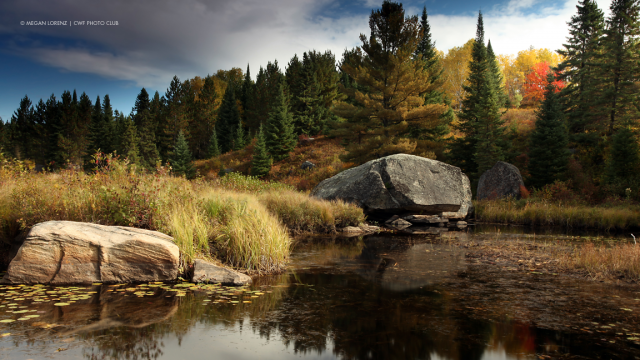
[(502, 180), (204, 271), (67, 252), (401, 183)]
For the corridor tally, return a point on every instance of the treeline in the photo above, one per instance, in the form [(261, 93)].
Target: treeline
[(219, 113)]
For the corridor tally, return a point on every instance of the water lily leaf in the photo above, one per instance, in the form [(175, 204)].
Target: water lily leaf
[(7, 321), (625, 309), (61, 304), (5, 334)]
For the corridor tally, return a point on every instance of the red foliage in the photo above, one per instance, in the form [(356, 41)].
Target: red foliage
[(524, 193), (536, 82)]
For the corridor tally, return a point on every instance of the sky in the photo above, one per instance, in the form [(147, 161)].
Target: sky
[(131, 44)]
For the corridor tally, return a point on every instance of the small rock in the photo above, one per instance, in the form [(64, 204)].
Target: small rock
[(391, 219), (351, 229), (307, 165), (369, 228), (460, 223), (306, 141), (400, 222), (424, 219), (204, 271)]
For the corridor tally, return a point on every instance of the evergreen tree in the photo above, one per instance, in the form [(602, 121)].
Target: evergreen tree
[(148, 152), (108, 142), (228, 120), (142, 104), (578, 71), (427, 48), (248, 101), (174, 117), (157, 114), (214, 150), (496, 77), (463, 149), (261, 161), (21, 129), (388, 98), (280, 135), (128, 142), (623, 161), (548, 152), (239, 141), (619, 64), (181, 163), (96, 135)]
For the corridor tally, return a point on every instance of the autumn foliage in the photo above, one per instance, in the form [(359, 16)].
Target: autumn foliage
[(536, 82)]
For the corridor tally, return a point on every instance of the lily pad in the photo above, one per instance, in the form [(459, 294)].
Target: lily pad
[(61, 304), (7, 321)]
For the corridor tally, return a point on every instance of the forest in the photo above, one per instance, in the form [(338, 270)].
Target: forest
[(567, 118)]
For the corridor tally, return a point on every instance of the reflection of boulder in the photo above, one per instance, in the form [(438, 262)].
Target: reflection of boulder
[(408, 266), (400, 183), (66, 252)]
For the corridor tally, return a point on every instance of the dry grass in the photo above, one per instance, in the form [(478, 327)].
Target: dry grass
[(601, 261), (545, 213)]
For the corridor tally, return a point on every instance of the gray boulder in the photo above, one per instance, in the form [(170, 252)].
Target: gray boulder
[(204, 271), (502, 180), (401, 183)]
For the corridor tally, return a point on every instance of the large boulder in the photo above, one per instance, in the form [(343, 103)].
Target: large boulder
[(502, 180), (401, 183), (66, 252)]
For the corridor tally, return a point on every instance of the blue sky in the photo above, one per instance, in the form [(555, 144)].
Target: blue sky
[(156, 39)]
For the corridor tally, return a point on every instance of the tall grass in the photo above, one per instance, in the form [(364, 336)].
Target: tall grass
[(602, 261), (557, 214), (240, 220), (302, 213)]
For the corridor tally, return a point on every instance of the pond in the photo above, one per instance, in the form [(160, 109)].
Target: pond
[(371, 297)]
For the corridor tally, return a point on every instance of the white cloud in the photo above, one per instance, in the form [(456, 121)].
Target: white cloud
[(156, 39)]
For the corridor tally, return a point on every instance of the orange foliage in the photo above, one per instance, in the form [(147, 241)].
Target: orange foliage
[(536, 82), (322, 151)]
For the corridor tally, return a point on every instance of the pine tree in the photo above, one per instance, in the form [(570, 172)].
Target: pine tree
[(388, 98), (280, 135), (623, 161), (228, 120), (548, 152), (619, 64), (214, 150), (578, 71), (261, 161), (174, 118), (239, 141), (248, 101), (142, 104), (21, 129), (181, 163)]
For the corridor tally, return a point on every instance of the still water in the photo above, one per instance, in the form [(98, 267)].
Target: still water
[(372, 297)]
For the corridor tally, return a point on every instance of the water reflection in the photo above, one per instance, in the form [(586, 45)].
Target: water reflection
[(374, 297)]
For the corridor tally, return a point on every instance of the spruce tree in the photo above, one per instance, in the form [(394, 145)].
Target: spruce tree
[(578, 71), (280, 135), (548, 152), (214, 149), (174, 117), (148, 152), (239, 141), (128, 143), (108, 127), (261, 161), (623, 162), (21, 129), (427, 48), (142, 104), (618, 65), (181, 163), (496, 76), (463, 149), (228, 120)]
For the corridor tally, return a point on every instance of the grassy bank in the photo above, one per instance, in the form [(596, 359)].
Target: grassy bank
[(536, 212), (241, 221)]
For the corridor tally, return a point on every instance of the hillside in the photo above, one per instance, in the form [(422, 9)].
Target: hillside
[(322, 151)]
